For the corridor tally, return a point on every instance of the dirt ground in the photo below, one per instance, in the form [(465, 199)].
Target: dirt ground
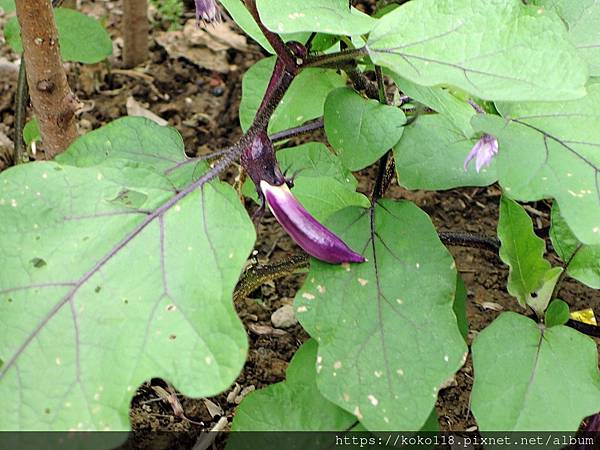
[(202, 104)]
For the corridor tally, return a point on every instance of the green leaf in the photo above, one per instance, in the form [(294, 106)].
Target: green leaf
[(388, 337), (530, 378), (332, 17), (293, 405), (583, 260), (562, 158), (8, 6), (244, 19), (496, 50), (582, 18), (296, 107), (31, 132), (460, 307), (110, 275), (81, 38), (455, 111), (431, 155), (522, 250), (361, 130), (557, 313)]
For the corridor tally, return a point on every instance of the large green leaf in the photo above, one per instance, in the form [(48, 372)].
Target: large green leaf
[(522, 250), (552, 150), (361, 130), (297, 106), (330, 16), (112, 276), (496, 50), (81, 38), (388, 337), (530, 378), (583, 21), (431, 155), (583, 260)]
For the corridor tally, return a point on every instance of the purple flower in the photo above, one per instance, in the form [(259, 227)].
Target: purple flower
[(485, 149), (207, 11), (304, 229)]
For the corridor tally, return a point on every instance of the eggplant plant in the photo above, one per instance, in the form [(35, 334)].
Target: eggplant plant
[(120, 257)]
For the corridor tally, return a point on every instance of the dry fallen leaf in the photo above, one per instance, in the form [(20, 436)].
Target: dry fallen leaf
[(135, 109), (205, 48)]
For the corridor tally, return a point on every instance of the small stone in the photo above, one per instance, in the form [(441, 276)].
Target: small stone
[(284, 317)]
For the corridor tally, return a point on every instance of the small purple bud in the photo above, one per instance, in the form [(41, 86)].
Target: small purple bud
[(304, 229), (207, 11), (484, 150)]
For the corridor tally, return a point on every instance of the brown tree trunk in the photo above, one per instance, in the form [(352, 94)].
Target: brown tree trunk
[(135, 32), (53, 102)]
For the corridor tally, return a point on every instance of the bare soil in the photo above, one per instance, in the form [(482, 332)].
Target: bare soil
[(203, 106)]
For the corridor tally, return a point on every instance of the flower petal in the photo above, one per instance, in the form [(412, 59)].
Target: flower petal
[(304, 229)]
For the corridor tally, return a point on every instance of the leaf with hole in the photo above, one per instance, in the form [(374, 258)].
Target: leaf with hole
[(522, 250), (112, 276), (561, 158), (496, 50), (387, 334), (539, 379), (361, 130)]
